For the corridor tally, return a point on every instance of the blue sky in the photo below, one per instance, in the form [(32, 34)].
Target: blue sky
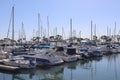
[(103, 13)]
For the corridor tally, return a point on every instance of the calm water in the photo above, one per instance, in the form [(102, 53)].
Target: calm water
[(104, 68)]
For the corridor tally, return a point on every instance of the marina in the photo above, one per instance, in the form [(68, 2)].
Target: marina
[(60, 47)]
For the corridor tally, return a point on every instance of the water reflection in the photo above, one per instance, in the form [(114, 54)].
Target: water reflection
[(101, 68)]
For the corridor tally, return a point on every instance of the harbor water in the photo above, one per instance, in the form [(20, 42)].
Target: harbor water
[(100, 68)]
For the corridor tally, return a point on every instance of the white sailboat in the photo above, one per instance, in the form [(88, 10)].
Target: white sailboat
[(18, 61)]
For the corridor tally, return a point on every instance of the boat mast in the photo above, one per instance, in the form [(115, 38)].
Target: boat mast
[(95, 30), (38, 24), (13, 23), (48, 25), (23, 32), (41, 27), (107, 31), (71, 28), (91, 29), (62, 32), (9, 26), (110, 32), (80, 33), (115, 31), (56, 31), (19, 35)]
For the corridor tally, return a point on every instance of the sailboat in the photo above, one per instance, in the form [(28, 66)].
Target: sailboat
[(18, 61)]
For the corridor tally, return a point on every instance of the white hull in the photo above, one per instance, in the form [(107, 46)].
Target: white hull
[(50, 59), (19, 63), (69, 58)]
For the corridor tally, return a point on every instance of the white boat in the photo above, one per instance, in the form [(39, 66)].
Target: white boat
[(114, 50), (66, 57), (48, 59), (20, 62), (45, 57), (70, 58), (105, 49)]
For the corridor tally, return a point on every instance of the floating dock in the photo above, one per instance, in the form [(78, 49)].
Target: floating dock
[(8, 68)]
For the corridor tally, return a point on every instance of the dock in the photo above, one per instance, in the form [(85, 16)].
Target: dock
[(8, 68)]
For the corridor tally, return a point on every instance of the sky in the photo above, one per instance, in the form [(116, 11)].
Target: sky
[(103, 13)]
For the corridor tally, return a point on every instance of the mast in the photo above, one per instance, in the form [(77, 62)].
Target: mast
[(13, 23), (115, 31), (56, 31), (71, 28), (91, 30), (110, 32), (19, 34), (45, 32), (48, 25), (23, 32), (107, 31), (9, 25), (41, 32), (80, 34), (38, 24), (62, 32), (95, 30)]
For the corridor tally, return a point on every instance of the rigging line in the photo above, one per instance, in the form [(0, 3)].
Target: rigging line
[(9, 25)]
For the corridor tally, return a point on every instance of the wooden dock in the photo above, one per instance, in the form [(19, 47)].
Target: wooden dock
[(8, 68)]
